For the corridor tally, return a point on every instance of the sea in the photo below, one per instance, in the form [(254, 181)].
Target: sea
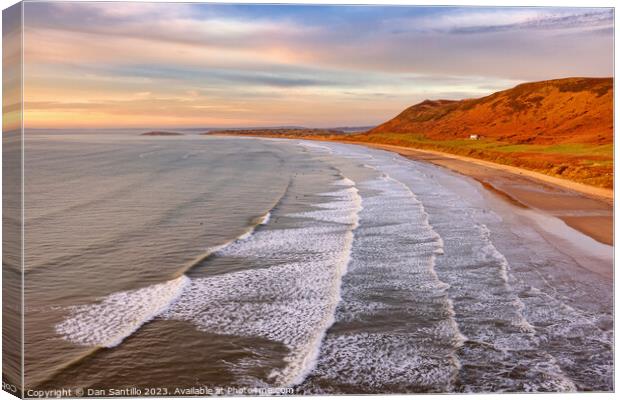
[(183, 264)]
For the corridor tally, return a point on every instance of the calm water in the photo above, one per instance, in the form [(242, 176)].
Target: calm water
[(190, 262)]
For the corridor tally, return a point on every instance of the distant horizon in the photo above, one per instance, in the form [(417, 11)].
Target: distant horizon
[(89, 65), (279, 126), (197, 128)]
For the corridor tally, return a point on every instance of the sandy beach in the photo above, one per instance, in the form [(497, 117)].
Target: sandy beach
[(344, 259), (585, 208)]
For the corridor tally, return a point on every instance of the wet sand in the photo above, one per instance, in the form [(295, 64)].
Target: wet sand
[(584, 208)]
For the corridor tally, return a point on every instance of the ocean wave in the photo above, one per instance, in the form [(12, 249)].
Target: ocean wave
[(109, 322), (292, 302), (491, 313), (314, 146), (393, 254)]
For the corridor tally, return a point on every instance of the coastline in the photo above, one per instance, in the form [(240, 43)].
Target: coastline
[(585, 208)]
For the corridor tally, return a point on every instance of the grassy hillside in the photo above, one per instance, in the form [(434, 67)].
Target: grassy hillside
[(572, 110), (561, 128)]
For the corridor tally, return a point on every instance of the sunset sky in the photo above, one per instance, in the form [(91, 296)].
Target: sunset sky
[(193, 65)]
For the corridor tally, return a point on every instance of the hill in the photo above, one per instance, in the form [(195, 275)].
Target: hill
[(571, 110), (561, 127)]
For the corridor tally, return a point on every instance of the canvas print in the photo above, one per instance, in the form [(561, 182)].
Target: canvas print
[(296, 199)]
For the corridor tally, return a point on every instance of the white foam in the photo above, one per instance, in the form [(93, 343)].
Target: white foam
[(118, 315), (491, 313), (393, 254), (343, 207), (382, 362), (315, 146), (265, 219), (344, 182), (479, 271), (569, 349), (292, 302)]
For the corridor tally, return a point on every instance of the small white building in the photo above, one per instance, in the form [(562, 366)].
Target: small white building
[(475, 137)]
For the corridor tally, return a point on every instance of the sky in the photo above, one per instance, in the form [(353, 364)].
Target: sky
[(106, 65)]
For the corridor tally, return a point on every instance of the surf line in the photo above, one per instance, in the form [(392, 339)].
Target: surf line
[(460, 338), (95, 325), (302, 358), (256, 224), (69, 328), (298, 369), (160, 296)]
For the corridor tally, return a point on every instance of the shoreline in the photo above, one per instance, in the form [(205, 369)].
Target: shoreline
[(593, 191), (584, 208), (587, 209)]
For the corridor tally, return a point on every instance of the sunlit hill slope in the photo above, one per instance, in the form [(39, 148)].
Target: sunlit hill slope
[(560, 127)]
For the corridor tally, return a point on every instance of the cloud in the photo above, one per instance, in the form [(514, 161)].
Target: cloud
[(278, 78), (501, 19), (121, 10), (588, 21), (345, 64), (167, 22)]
